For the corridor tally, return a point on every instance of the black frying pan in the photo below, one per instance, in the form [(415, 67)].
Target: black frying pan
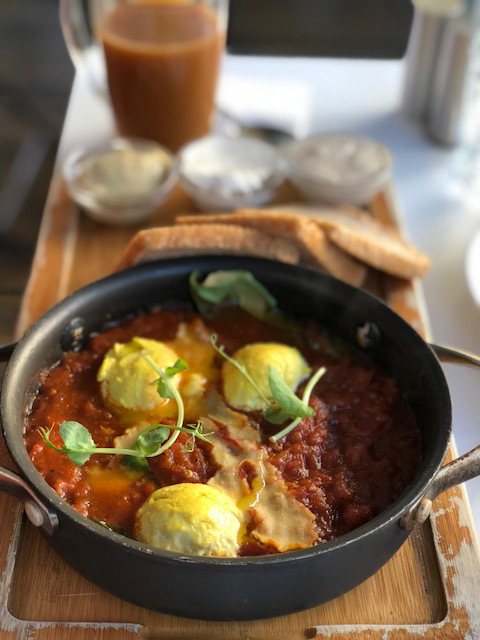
[(233, 588)]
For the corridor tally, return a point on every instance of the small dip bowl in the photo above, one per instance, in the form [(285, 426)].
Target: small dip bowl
[(122, 181), (222, 174), (338, 168)]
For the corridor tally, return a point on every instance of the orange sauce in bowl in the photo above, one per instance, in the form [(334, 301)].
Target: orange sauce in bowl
[(163, 61)]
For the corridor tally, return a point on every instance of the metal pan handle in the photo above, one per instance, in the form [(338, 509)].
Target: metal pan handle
[(12, 484), (460, 470), (38, 514)]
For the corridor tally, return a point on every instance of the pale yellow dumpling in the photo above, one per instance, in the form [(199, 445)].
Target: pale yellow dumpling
[(194, 519), (257, 359), (127, 379)]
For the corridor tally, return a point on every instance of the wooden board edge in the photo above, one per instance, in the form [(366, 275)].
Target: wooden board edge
[(463, 617), (53, 254)]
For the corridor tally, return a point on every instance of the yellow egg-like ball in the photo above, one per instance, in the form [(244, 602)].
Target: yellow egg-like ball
[(257, 358), (194, 519), (127, 379)]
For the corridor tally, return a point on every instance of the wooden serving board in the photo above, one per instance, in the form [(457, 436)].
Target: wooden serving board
[(429, 589)]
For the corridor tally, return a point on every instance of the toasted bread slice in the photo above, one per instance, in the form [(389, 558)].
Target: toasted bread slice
[(371, 242), (315, 248), (195, 239), (366, 239)]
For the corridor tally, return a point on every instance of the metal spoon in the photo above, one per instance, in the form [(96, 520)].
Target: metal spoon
[(230, 125)]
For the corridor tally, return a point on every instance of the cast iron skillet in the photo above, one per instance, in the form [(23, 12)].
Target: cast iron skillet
[(233, 588)]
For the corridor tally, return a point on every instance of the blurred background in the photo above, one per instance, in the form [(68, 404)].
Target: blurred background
[(35, 80), (36, 76), (327, 28)]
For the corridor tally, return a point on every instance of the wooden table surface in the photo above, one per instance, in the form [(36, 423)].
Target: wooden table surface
[(427, 590)]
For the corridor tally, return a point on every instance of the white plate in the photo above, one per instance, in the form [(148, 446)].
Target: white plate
[(472, 267)]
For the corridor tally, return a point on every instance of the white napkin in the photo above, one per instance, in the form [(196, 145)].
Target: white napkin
[(264, 101)]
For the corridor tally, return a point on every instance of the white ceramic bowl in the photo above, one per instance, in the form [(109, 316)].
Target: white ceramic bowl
[(338, 168), (223, 174), (120, 182)]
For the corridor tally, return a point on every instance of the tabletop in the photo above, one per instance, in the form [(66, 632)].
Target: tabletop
[(363, 97)]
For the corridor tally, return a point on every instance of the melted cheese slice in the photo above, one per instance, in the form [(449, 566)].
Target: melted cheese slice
[(282, 521)]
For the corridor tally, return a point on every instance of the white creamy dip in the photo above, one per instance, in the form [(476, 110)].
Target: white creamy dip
[(338, 168), (121, 181), (229, 166), (340, 160), (124, 175)]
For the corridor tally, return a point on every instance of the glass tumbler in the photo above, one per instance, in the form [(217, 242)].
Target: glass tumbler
[(159, 60)]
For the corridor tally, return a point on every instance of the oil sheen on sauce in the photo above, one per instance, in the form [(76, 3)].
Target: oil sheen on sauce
[(163, 61)]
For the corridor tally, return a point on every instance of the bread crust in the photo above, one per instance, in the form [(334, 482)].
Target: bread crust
[(316, 250), (373, 243), (341, 241), (195, 239), (361, 236)]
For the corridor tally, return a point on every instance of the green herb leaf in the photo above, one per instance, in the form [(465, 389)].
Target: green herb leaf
[(151, 438), (180, 365), (165, 388), (289, 403), (275, 414), (305, 399), (76, 436), (137, 464), (235, 286), (78, 444)]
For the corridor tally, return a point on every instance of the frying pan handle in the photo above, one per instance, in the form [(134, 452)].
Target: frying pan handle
[(11, 483), (38, 514), (460, 470), (455, 356)]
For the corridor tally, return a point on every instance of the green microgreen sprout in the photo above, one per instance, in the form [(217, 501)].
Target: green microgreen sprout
[(243, 370), (166, 389), (78, 444), (242, 289), (305, 399), (237, 286), (286, 404)]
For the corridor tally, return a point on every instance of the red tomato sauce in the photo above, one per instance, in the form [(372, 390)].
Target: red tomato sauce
[(346, 463)]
